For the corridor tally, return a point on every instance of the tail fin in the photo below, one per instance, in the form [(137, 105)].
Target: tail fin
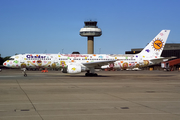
[(156, 46)]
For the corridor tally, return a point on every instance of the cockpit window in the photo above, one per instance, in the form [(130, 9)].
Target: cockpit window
[(11, 59)]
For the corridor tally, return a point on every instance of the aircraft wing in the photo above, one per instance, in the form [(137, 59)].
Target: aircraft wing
[(98, 64), (158, 60)]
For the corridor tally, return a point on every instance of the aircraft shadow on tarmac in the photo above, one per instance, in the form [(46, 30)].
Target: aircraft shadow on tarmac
[(88, 76)]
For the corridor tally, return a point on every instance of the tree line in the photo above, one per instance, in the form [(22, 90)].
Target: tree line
[(3, 59)]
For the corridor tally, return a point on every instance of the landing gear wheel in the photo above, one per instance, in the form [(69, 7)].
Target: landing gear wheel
[(95, 74), (25, 75), (91, 74), (87, 74)]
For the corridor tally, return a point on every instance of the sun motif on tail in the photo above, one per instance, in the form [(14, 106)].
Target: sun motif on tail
[(157, 44)]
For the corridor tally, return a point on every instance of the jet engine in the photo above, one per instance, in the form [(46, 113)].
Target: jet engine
[(72, 68)]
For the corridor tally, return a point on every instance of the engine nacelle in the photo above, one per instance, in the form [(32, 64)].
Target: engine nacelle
[(72, 69)]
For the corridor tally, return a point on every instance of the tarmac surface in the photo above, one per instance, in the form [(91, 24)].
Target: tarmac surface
[(119, 95)]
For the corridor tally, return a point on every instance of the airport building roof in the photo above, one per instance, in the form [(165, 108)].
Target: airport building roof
[(170, 49), (168, 46)]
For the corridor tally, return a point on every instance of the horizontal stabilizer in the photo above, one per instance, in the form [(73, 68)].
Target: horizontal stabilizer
[(158, 60)]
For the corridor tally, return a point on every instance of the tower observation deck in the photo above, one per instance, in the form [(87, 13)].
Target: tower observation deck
[(90, 31)]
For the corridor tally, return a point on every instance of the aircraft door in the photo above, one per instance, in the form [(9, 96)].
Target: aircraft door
[(140, 60), (55, 62), (22, 61), (55, 59)]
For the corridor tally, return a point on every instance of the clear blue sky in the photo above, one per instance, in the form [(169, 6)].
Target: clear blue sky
[(36, 26)]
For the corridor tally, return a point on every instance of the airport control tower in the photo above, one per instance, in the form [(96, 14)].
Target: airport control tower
[(90, 31)]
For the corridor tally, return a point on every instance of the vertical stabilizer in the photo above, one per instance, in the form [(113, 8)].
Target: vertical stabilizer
[(156, 46)]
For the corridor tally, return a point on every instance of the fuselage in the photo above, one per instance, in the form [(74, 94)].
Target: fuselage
[(53, 60), (63, 60)]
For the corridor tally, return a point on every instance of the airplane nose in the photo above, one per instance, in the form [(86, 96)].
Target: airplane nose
[(4, 64)]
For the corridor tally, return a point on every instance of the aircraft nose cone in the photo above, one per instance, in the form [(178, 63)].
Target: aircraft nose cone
[(4, 64)]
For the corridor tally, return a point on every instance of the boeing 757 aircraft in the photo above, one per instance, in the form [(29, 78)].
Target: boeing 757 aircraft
[(76, 63)]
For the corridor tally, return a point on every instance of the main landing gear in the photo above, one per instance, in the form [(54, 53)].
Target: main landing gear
[(91, 72)]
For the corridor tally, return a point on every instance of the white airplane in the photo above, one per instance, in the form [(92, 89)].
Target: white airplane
[(76, 63)]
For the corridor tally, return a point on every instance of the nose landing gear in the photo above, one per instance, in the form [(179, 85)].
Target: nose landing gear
[(24, 71)]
